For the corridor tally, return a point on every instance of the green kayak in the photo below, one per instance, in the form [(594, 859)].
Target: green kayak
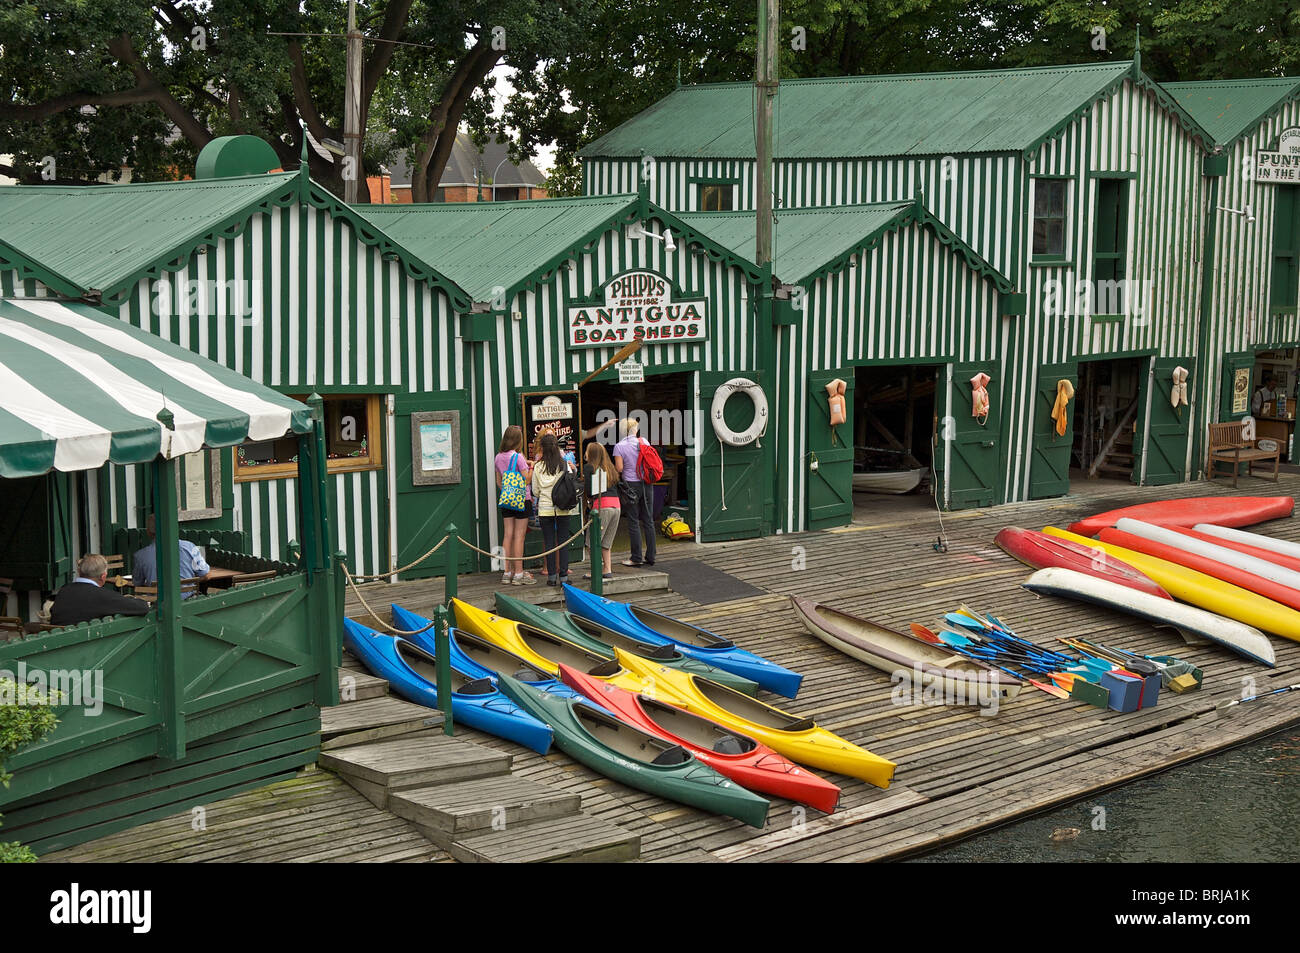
[(620, 751), (596, 638)]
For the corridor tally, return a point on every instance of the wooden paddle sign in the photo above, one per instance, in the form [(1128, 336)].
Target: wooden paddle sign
[(560, 411)]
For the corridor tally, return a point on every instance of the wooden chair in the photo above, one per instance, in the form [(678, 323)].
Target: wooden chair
[(150, 593), (10, 625), (247, 577), (115, 566), (1228, 445)]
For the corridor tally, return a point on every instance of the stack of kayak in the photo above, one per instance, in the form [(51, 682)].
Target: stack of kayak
[(1180, 563), (645, 699)]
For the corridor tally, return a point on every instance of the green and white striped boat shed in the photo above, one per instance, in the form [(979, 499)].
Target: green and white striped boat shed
[(978, 148), (268, 275)]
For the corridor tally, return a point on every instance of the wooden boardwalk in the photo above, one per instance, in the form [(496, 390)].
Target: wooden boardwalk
[(958, 771)]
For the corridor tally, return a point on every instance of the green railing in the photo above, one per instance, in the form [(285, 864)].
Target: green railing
[(145, 690)]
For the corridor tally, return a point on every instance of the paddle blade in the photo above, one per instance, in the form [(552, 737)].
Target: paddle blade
[(924, 634)]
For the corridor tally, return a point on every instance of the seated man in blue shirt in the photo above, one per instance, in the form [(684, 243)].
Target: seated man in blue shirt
[(144, 566)]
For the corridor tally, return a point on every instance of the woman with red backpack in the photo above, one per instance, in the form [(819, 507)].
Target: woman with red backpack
[(638, 497)]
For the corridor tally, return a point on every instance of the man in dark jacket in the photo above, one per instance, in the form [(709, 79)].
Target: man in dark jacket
[(85, 598)]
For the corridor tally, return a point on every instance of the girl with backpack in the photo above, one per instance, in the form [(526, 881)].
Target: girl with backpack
[(553, 478), (514, 500), (605, 504), (638, 501)]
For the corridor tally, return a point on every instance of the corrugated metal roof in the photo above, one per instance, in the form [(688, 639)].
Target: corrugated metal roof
[(98, 237), (1230, 108), (465, 161), (913, 114), (483, 245), (809, 241)]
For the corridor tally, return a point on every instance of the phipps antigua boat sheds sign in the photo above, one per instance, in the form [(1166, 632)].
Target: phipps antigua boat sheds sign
[(638, 305)]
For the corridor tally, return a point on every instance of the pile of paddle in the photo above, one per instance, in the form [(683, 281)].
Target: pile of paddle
[(986, 639)]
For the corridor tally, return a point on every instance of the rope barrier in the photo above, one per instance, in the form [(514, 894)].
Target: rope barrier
[(408, 566), (375, 615), (352, 580), (483, 552)]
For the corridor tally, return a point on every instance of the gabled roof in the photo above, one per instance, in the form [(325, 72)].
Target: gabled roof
[(79, 388), (466, 160), (483, 246), (99, 240), (1231, 108), (985, 111), (810, 242)]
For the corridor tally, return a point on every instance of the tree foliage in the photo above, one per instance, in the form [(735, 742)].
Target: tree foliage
[(101, 84), (26, 716)]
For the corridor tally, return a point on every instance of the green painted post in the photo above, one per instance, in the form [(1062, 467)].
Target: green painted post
[(597, 565), (443, 650), (451, 573), (322, 571), (167, 558)]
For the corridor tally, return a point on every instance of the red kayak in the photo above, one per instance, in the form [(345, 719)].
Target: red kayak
[(1267, 588), (1047, 552), (742, 759), (1219, 510), (1259, 552)]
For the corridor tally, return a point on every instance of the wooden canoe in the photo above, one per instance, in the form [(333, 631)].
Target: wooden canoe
[(956, 678)]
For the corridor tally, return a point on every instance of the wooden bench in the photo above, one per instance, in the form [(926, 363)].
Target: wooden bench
[(1228, 445)]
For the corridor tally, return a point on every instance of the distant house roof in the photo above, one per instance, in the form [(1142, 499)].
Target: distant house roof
[(483, 246), (983, 111), (809, 242), (466, 160), (1230, 108), (99, 240)]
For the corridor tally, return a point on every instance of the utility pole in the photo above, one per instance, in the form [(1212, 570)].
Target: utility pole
[(769, 16), (768, 23), (352, 172)]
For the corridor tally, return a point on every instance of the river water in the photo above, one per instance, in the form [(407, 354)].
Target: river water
[(1239, 806)]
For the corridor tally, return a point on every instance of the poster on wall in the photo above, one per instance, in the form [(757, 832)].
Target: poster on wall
[(435, 447), (1283, 166), (638, 305), (1241, 390), (561, 411)]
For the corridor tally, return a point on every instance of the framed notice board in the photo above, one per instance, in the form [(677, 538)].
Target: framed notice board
[(560, 410)]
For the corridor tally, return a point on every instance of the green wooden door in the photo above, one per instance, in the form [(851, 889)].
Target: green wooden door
[(425, 511), (830, 486), (734, 482), (966, 451), (1164, 438), (1049, 466)]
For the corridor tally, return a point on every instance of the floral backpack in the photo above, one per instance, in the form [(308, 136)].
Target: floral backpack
[(512, 487)]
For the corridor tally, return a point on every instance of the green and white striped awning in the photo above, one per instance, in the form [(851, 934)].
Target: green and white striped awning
[(79, 388)]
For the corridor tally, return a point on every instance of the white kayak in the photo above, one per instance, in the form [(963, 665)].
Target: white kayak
[(1220, 554), (1281, 546), (1231, 634)]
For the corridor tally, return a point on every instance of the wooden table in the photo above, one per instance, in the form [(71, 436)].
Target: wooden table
[(218, 578)]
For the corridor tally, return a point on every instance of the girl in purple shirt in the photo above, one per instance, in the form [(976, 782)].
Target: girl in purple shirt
[(511, 453)]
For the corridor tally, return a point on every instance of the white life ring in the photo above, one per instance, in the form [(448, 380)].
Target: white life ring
[(759, 425)]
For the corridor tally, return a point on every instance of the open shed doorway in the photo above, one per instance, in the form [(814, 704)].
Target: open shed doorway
[(1106, 415), (894, 421)]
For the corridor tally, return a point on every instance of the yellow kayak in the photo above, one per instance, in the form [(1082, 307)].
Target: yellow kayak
[(799, 739), (546, 651), (1200, 589)]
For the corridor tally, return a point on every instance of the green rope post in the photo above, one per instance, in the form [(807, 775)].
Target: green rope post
[(453, 565), (597, 565), (442, 647)]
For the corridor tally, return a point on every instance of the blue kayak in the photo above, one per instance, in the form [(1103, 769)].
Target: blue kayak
[(479, 657), (690, 640), (475, 700)]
